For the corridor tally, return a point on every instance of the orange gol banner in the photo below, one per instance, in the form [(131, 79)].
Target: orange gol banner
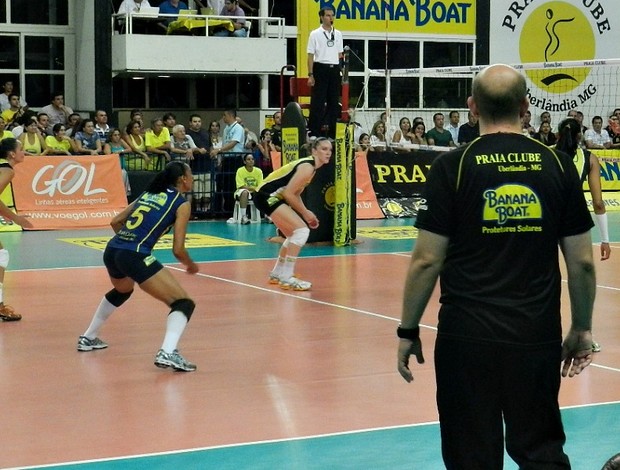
[(56, 193), (366, 199)]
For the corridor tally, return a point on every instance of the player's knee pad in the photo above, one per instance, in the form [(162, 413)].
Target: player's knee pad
[(4, 258), (117, 298), (185, 306), (300, 236)]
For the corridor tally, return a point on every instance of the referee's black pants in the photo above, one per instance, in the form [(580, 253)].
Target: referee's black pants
[(484, 387), (324, 101)]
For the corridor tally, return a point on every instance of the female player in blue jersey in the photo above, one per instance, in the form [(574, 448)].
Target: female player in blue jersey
[(128, 260)]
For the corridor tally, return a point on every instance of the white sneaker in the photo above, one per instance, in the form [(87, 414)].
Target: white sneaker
[(293, 283), (231, 221), (245, 220)]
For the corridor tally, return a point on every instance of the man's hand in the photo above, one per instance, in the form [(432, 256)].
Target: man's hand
[(576, 352), (605, 251), (406, 348)]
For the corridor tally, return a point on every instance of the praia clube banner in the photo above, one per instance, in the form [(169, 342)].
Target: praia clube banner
[(554, 32)]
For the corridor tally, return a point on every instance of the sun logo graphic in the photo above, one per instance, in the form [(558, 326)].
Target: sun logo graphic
[(557, 32)]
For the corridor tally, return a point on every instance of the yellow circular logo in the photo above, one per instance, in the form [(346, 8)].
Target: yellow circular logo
[(557, 32), (394, 208), (330, 197)]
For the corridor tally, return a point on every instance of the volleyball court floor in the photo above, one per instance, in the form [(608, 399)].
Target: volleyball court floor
[(285, 380)]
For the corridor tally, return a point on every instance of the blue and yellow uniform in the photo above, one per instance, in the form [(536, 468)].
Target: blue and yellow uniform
[(128, 253), (268, 195)]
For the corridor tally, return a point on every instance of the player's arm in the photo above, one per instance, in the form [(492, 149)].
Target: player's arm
[(293, 190), (6, 175), (426, 262), (119, 219), (600, 214), (577, 345), (178, 243)]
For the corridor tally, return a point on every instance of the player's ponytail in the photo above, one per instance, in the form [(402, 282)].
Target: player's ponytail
[(568, 132), (167, 177)]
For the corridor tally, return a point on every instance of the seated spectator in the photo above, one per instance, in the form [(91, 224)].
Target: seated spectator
[(59, 143), (73, 124), (43, 121), (545, 135), (170, 120), (470, 130), (102, 128), (526, 124), (419, 134), (23, 121), (613, 129), (363, 144), (56, 110), (133, 6), (438, 135), (171, 7), (4, 134), (403, 135), (247, 179), (119, 147), (8, 90), (32, 141), (276, 131), (157, 139), (216, 5), (377, 135), (137, 143), (14, 112), (262, 154), (86, 140), (597, 137), (232, 9), (182, 146)]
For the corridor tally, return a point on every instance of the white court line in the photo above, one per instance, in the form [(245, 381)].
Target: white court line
[(270, 441)]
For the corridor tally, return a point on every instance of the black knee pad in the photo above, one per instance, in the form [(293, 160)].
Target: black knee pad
[(185, 306), (117, 298)]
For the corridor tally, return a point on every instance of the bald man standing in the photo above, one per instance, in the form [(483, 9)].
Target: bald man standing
[(496, 210)]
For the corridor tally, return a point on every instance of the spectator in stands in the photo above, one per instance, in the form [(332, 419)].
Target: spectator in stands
[(86, 140), (276, 131), (118, 146), (419, 134), (14, 112), (59, 143), (170, 120), (32, 141), (572, 113), (73, 124), (613, 129), (377, 135), (134, 6), (216, 139), (580, 121), (234, 136), (545, 116), (201, 164), (157, 139), (22, 122), (133, 137), (8, 90), (171, 7), (262, 154), (470, 130), (363, 144), (232, 9), (453, 125), (182, 146), (403, 135), (545, 135), (438, 135), (4, 134), (138, 116), (43, 121), (56, 110), (526, 124), (102, 128), (217, 5), (247, 179), (597, 137)]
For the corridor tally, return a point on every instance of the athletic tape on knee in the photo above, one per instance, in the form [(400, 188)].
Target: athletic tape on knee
[(185, 306), (117, 298), (4, 258), (300, 236)]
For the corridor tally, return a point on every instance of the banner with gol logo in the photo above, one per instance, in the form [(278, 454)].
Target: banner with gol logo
[(555, 32), (69, 192), (366, 200)]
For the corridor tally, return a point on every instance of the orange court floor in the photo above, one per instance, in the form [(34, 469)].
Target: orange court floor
[(285, 380)]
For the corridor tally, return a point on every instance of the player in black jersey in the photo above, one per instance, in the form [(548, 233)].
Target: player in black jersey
[(128, 260), (494, 213)]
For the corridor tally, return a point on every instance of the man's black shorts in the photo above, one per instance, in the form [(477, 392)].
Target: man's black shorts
[(125, 263)]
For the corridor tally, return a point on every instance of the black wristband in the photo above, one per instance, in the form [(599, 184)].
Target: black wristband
[(408, 333), (310, 74)]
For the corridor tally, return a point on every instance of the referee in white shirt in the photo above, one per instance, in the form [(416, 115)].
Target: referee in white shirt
[(325, 49)]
